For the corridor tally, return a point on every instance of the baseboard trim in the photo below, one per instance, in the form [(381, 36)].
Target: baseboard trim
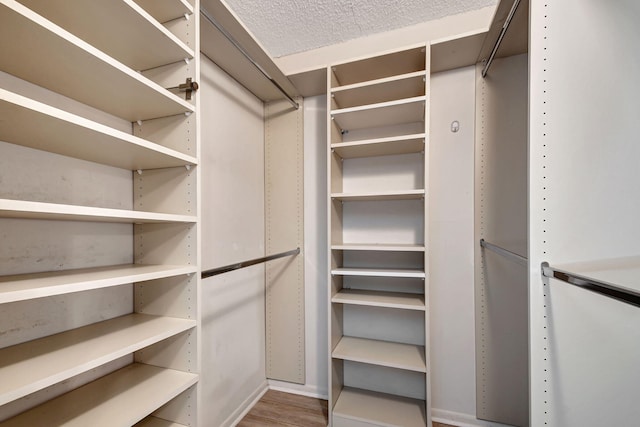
[(300, 389), (246, 406), (461, 420)]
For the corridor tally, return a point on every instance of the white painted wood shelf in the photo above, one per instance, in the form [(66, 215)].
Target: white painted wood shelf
[(378, 247), (37, 364), (52, 211), (157, 422), (378, 272), (40, 126), (409, 85), (166, 10), (119, 399), (623, 273), (382, 353), (403, 111), (406, 144), (404, 301), (380, 196), (379, 408), (39, 285), (36, 50), (140, 41)]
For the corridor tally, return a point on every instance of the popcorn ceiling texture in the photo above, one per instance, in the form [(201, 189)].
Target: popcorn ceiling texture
[(284, 27)]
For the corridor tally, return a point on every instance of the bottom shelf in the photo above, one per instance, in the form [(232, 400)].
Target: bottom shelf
[(157, 422), (119, 399), (380, 409)]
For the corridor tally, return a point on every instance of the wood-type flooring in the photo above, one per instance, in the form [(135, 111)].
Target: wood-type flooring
[(284, 409)]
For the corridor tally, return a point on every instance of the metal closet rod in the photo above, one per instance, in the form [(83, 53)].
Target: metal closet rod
[(628, 296), (231, 267), (504, 252), (496, 46), (244, 53)]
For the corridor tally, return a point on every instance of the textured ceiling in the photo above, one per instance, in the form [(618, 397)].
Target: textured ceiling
[(284, 27)]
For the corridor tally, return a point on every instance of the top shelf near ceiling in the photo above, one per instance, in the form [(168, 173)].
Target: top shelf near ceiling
[(32, 47), (166, 10)]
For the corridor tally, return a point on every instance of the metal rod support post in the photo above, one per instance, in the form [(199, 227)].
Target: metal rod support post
[(231, 267), (505, 253), (244, 53)]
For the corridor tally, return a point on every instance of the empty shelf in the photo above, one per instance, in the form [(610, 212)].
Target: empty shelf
[(381, 90), (38, 285), (375, 272), (34, 365), (410, 110), (379, 408), (34, 50), (405, 144), (119, 399), (51, 211), (40, 126), (157, 422), (380, 195), (166, 10), (400, 300), (378, 247), (382, 353), (140, 41)]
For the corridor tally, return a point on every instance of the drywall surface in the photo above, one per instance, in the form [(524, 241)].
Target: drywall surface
[(232, 306)]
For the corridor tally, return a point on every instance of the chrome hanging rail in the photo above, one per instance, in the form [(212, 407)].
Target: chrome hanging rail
[(231, 267), (629, 296), (244, 53), (505, 253), (496, 46)]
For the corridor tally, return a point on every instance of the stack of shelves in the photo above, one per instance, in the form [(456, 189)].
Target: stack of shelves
[(79, 79), (377, 214)]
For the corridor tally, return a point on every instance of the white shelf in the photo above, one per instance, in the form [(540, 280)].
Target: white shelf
[(40, 126), (139, 41), (380, 196), (51, 211), (405, 144), (396, 87), (379, 408), (39, 285), (166, 10), (623, 273), (377, 272), (157, 422), (378, 247), (44, 54), (34, 365), (409, 110), (378, 67), (399, 300), (119, 399), (382, 353)]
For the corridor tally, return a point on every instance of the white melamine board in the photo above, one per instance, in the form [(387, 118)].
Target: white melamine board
[(384, 284), (381, 174), (52, 211), (169, 190), (378, 67), (389, 113), (140, 42), (38, 285), (584, 207), (379, 408), (383, 323), (379, 195), (108, 401), (618, 272), (383, 353), (456, 52), (387, 89), (378, 272), (34, 124), (33, 47), (386, 222), (166, 10), (382, 379), (157, 422), (37, 364), (380, 299), (380, 146), (378, 247)]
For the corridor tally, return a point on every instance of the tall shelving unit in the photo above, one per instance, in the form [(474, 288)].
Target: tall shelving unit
[(377, 181), (118, 60)]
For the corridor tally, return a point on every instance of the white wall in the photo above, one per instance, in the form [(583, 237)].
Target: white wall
[(315, 251), (233, 326)]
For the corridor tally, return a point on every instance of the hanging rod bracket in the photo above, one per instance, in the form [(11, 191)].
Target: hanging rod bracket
[(188, 87)]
